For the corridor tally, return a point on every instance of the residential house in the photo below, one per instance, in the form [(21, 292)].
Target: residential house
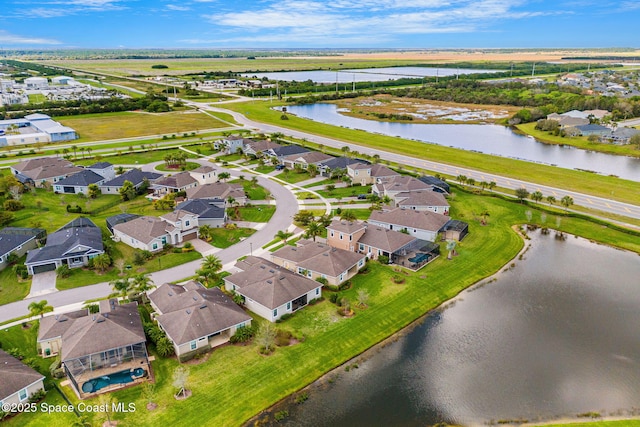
[(150, 233), (345, 234), (119, 219), (398, 184), (173, 183), (283, 151), (269, 290), (303, 160), (437, 184), (135, 176), (219, 191), (621, 135), (318, 260), (567, 120), (231, 144), (46, 170), (78, 182), (258, 148), (104, 169), (19, 381), (424, 200), (195, 318), (183, 225), (204, 174), (209, 212), (338, 163), (424, 225), (592, 129), (365, 174), (15, 240), (73, 245), (100, 352)]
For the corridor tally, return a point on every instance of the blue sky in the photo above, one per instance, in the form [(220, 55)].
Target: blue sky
[(318, 24)]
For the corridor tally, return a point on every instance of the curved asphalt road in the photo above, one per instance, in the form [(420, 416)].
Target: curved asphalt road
[(286, 207), (602, 204)]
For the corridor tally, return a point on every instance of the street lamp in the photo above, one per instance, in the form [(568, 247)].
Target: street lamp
[(251, 248)]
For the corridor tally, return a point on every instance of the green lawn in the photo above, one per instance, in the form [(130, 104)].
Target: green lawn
[(230, 157), (261, 213), (579, 142), (223, 237), (265, 169), (11, 289), (361, 214), (138, 158), (346, 191), (292, 176), (325, 182), (96, 127), (330, 340), (597, 185), (187, 167), (253, 191)]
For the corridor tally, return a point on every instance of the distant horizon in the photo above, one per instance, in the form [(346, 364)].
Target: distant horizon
[(336, 49), (278, 24)]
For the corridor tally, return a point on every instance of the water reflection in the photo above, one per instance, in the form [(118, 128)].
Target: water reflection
[(556, 336), (489, 139)]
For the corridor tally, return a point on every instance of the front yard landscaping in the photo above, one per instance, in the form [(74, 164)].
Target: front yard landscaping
[(261, 213), (225, 237), (11, 288), (251, 189)]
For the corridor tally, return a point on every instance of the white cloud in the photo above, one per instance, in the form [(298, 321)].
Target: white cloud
[(12, 39), (58, 8), (175, 7)]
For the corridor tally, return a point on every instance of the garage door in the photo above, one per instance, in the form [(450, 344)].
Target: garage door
[(190, 236), (42, 268)]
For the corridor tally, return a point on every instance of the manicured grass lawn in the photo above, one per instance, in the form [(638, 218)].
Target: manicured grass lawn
[(305, 195), (325, 182), (346, 191), (223, 238), (265, 169), (580, 142), (189, 166), (10, 288), (253, 191), (262, 213), (361, 214), (95, 127), (293, 177), (597, 185), (230, 157), (141, 158), (329, 339)]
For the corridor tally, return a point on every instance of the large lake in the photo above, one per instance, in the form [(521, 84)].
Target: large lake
[(489, 139), (365, 74), (555, 336)]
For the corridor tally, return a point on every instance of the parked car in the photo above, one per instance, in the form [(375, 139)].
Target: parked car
[(279, 167), (363, 196)]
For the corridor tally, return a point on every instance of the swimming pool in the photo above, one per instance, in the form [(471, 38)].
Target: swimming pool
[(121, 377)]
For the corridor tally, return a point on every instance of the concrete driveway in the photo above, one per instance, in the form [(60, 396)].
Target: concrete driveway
[(42, 284), (203, 247)]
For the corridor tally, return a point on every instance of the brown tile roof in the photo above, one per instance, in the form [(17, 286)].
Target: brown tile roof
[(347, 227), (319, 257), (176, 215), (103, 331), (377, 170), (387, 240), (192, 311), (216, 190), (424, 220), (263, 145), (143, 229), (15, 375), (421, 198), (56, 325), (46, 167), (203, 169), (270, 285), (311, 157), (179, 180)]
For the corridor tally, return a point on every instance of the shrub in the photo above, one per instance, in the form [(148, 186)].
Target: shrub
[(187, 247), (283, 338), (164, 347), (63, 271), (243, 334), (322, 280), (13, 205), (397, 279), (16, 352), (383, 259), (333, 298), (138, 258), (301, 398), (284, 317), (281, 415), (37, 396)]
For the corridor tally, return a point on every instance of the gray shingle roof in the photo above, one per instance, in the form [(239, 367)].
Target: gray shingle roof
[(135, 176), (46, 167), (100, 165), (15, 375), (79, 232), (81, 179), (421, 198), (346, 226), (119, 219), (143, 229), (387, 240), (270, 285), (55, 326), (288, 150), (423, 220), (202, 208), (179, 180), (216, 190), (192, 311), (319, 257), (12, 237)]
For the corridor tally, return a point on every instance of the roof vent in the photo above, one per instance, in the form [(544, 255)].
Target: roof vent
[(203, 306), (195, 298), (262, 267), (170, 294), (188, 311), (272, 271), (269, 282), (325, 254)]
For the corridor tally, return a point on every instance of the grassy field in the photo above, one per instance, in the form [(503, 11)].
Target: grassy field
[(223, 237), (329, 339), (187, 167), (253, 191), (136, 158), (579, 142), (292, 176), (346, 191), (95, 127), (12, 289), (597, 185), (255, 213)]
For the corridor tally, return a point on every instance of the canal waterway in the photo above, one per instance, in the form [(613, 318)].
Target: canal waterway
[(489, 139), (554, 336)]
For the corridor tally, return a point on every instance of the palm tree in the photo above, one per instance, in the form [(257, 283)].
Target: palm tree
[(314, 229), (205, 232), (536, 196), (566, 201), (551, 200), (39, 308), (211, 262), (223, 176), (121, 287), (348, 215), (283, 235), (492, 185), (141, 283), (461, 179), (209, 269), (75, 150)]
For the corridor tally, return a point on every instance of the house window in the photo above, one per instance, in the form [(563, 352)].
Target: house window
[(289, 305), (275, 312), (331, 233), (23, 394), (361, 263), (186, 223), (164, 240), (309, 273), (361, 247), (350, 237), (193, 345), (301, 270), (317, 291), (155, 246), (340, 236), (341, 277)]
